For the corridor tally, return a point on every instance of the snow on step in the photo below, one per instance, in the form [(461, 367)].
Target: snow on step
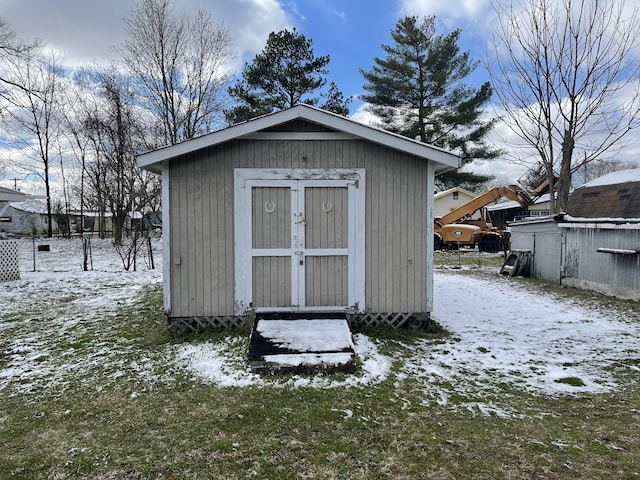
[(301, 345)]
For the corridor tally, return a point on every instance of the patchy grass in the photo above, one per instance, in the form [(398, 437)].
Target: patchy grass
[(467, 259), (573, 381), (118, 408)]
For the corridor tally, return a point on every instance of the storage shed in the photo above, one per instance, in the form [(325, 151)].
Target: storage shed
[(596, 244), (297, 211)]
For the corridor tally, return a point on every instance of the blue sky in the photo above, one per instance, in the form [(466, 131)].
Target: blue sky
[(350, 31), (352, 35)]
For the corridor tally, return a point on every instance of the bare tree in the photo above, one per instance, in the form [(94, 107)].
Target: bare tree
[(117, 137), (32, 116), (568, 81), (79, 143), (12, 50), (598, 168), (180, 64)]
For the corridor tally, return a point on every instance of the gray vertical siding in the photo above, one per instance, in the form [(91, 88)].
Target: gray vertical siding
[(271, 229), (272, 281), (201, 221), (201, 259), (586, 265), (326, 229), (544, 239), (326, 281)]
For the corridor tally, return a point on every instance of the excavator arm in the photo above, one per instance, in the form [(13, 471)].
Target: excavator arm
[(512, 192)]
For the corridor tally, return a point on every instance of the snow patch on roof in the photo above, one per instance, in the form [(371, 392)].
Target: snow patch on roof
[(32, 205), (508, 204), (618, 220), (614, 178)]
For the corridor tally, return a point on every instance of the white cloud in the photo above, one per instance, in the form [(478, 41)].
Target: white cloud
[(465, 14), (363, 116), (465, 9), (86, 31), (249, 21)]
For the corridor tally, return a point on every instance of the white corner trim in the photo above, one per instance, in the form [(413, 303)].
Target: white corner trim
[(166, 240)]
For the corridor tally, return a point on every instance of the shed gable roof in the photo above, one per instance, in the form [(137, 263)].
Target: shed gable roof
[(333, 126)]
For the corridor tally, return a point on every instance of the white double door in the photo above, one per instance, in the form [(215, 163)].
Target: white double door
[(297, 242)]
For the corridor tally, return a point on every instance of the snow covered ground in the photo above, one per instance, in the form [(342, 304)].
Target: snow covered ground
[(504, 333), (501, 333)]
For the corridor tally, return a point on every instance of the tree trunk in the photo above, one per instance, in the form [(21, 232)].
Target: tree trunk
[(48, 192), (552, 191), (564, 180)]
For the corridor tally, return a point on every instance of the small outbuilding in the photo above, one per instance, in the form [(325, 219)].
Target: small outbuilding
[(502, 213), (297, 211), (595, 245)]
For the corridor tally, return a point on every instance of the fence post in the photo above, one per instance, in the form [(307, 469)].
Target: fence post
[(134, 242), (34, 253), (150, 253), (85, 255), (90, 252)]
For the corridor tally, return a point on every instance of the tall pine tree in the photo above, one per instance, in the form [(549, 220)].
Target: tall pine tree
[(285, 73), (418, 91)]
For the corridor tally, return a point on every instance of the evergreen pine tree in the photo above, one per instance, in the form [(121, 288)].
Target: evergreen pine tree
[(418, 91), (285, 73)]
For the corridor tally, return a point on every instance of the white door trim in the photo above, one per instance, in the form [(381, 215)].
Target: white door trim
[(246, 179)]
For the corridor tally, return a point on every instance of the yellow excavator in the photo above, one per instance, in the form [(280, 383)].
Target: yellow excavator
[(461, 228)]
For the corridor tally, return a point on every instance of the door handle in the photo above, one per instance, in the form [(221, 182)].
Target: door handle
[(300, 257)]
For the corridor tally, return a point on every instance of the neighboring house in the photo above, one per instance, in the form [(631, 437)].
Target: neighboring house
[(502, 213), (28, 217), (448, 200), (596, 244), (7, 196), (297, 211)]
